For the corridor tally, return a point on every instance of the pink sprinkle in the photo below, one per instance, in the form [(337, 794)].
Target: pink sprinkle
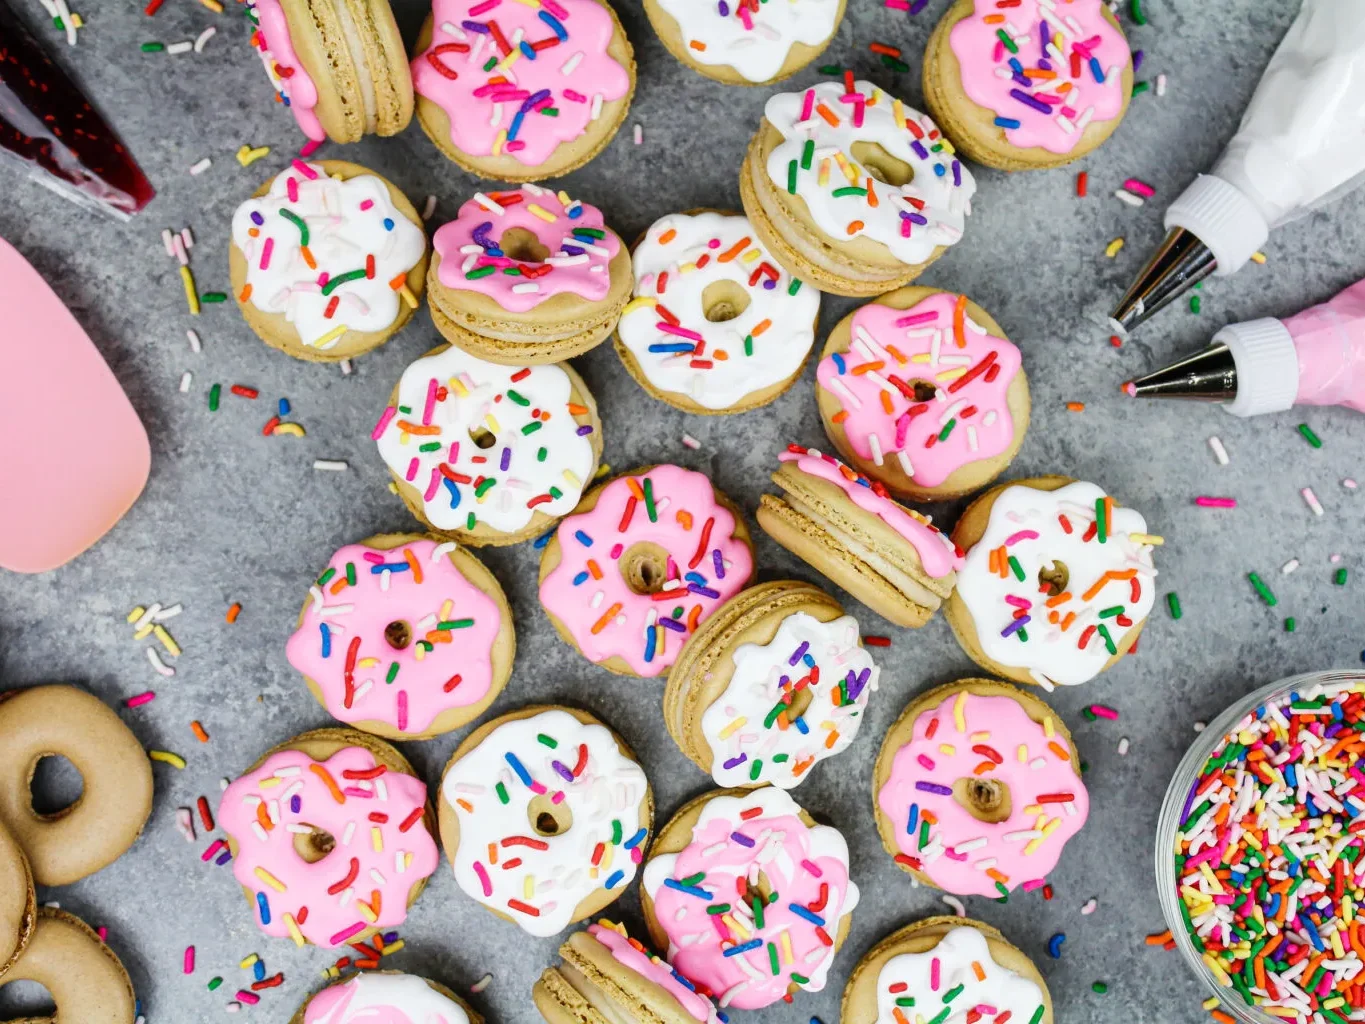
[(383, 423), (1104, 712), (309, 148), (412, 469), (367, 204), (917, 318), (344, 934), (212, 851), (305, 170), (575, 95), (637, 854), (898, 5), (141, 699), (999, 54), (616, 550), (1015, 538), (933, 975), (1032, 884), (189, 959), (487, 5), (431, 403), (902, 429), (681, 332), (483, 879), (555, 9), (1140, 187), (808, 105), (434, 485), (402, 710), (292, 184), (1204, 501), (251, 998), (809, 866), (103, 933), (1018, 602), (747, 18), (374, 557), (266, 250)]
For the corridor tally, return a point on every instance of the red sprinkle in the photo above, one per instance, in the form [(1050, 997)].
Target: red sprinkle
[(244, 391), (877, 641)]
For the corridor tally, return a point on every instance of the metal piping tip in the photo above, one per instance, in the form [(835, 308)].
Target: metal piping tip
[(1181, 261), (1207, 376)]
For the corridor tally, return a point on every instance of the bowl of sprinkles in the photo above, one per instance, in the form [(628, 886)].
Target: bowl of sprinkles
[(1260, 853)]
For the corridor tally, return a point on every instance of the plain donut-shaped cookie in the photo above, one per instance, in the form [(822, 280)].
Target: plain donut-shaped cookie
[(85, 977), (117, 777), (18, 904)]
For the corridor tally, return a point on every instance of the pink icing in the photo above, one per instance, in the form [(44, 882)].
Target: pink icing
[(588, 591), (347, 654), (973, 737), (1329, 341), (581, 249), (923, 343), (937, 553), (294, 88), (500, 110), (1075, 91), (652, 968), (291, 788)]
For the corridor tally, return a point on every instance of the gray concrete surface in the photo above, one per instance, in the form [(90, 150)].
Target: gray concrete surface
[(230, 515)]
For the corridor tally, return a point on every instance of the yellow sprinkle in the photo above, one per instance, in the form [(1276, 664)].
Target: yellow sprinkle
[(541, 212), (144, 632), (1147, 538), (376, 839), (950, 374), (446, 609), (492, 424), (498, 142), (528, 887), (249, 962), (1022, 753), (1048, 729), (332, 335), (393, 947), (564, 198), (246, 156), (166, 757), (365, 911), (947, 749), (898, 112), (849, 173), (1031, 846), (607, 858), (920, 357), (191, 292), (980, 737), (643, 302), (77, 21), (136, 614), (1258, 257), (270, 783), (687, 268), (1051, 826), (294, 932), (408, 297), (959, 716), (1211, 1003), (167, 641), (213, 5), (458, 387), (292, 429), (1337, 947), (738, 723), (824, 172), (270, 880), (1111, 250), (367, 662), (750, 256), (1211, 962), (787, 957), (572, 478), (735, 926)]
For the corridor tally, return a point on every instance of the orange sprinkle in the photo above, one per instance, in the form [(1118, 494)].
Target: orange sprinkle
[(1061, 751), (693, 617), (1066, 622), (337, 587), (887, 407), (417, 428), (245, 293), (1062, 598), (233, 611), (330, 782), (868, 367), (1075, 406), (684, 517), (199, 732), (605, 620), (734, 250), (577, 410), (760, 327), (668, 236), (959, 321), (697, 45), (827, 114), (801, 766), (1126, 574), (1221, 1017), (994, 560), (896, 353), (855, 226), (1158, 939), (1109, 513), (872, 199), (263, 817), (465, 804), (398, 281), (413, 565), (976, 969), (1039, 73), (840, 416), (438, 636), (995, 875), (831, 739), (307, 255), (492, 853), (994, 19), (635, 488), (594, 569)]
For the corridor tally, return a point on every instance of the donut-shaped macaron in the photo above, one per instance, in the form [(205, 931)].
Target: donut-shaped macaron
[(545, 815), (331, 836), (404, 636), (328, 260), (716, 325), (522, 91), (921, 390), (528, 276), (1037, 85), (977, 788), (750, 897), (84, 977), (745, 42), (485, 453), (774, 682), (375, 997), (890, 557), (945, 968), (1057, 583), (643, 560), (18, 903), (608, 976), (852, 190), (116, 780)]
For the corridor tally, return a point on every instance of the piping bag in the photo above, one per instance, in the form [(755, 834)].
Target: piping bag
[(1316, 357), (1301, 145)]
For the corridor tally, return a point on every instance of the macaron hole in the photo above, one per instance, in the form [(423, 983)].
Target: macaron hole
[(55, 786), (315, 845), (723, 300), (924, 390), (986, 800), (398, 634), (521, 245), (644, 567), (548, 818), (483, 437), (758, 890), (23, 999), (1053, 579), (882, 165)]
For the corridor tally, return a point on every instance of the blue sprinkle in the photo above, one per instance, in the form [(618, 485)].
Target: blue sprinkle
[(258, 969), (801, 726), (691, 890), (284, 407), (801, 911), (575, 212), (673, 346), (697, 578), (651, 638), (583, 538), (913, 820), (518, 767), (516, 125), (383, 567), (810, 662), (842, 367), (1312, 931), (1096, 70), (1007, 122), (264, 905), (635, 840), (528, 50), (581, 578), (1054, 945), (559, 29), (751, 944), (455, 493), (388, 223), (544, 538), (940, 170), (614, 879), (326, 640)]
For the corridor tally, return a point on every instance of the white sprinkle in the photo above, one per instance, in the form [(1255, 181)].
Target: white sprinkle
[(184, 823), (185, 379), (525, 287), (1200, 726), (1312, 500), (187, 238), (1130, 198), (202, 166), (1219, 452), (596, 106), (182, 47), (1349, 484), (875, 443), (166, 241), (161, 667), (163, 614), (1161, 85), (481, 984), (1289, 566), (68, 23), (690, 442), (203, 38), (451, 30), (334, 465), (489, 204), (639, 135), (182, 257), (1091, 905), (345, 365), (429, 208), (906, 467), (196, 346), (1123, 746), (569, 66), (956, 904), (1334, 559)]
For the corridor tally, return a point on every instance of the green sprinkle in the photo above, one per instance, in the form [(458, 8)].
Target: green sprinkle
[(905, 1000), (1109, 613), (531, 427), (1139, 88), (1340, 578), (491, 63), (895, 65), (548, 741), (596, 233), (748, 344), (392, 673), (1108, 640), (615, 832), (518, 397), (512, 271), (333, 283), (1309, 436), (298, 222), (923, 834), (831, 69), (550, 111), (1003, 891), (791, 177), (214, 983), (1135, 9), (1004, 37), (1265, 592), (1089, 715), (754, 771), (1016, 568), (780, 758), (502, 793), (471, 521), (406, 410), (800, 979), (1173, 603), (1289, 624), (213, 297), (849, 190), (1099, 988), (542, 454), (350, 573), (794, 287), (155, 48), (432, 446), (942, 1014), (326, 577), (807, 154), (1038, 1013), (757, 904), (1195, 303), (556, 493), (693, 880), (483, 488), (215, 393), (716, 909), (650, 510), (479, 272), (953, 993), (1022, 634)]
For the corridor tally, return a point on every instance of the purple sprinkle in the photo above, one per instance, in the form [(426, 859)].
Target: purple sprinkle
[(934, 787), (673, 624), (769, 284), (506, 459), (1189, 802), (475, 26), (295, 804), (918, 6), (572, 250), (957, 174), (563, 771), (796, 655), (735, 762), (1137, 60), (257, 219), (703, 591), (1044, 37), (532, 100), (1029, 101), (723, 9), (920, 151), (742, 839), (1016, 625), (855, 684), (584, 430), (718, 562), (223, 858)]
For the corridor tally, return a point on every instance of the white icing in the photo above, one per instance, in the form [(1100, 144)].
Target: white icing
[(757, 685), (477, 400), (945, 206), (724, 373), (341, 236), (758, 49), (406, 998), (1050, 650), (610, 788), (1001, 990)]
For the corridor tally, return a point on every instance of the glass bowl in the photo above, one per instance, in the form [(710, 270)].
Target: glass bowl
[(1173, 809)]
